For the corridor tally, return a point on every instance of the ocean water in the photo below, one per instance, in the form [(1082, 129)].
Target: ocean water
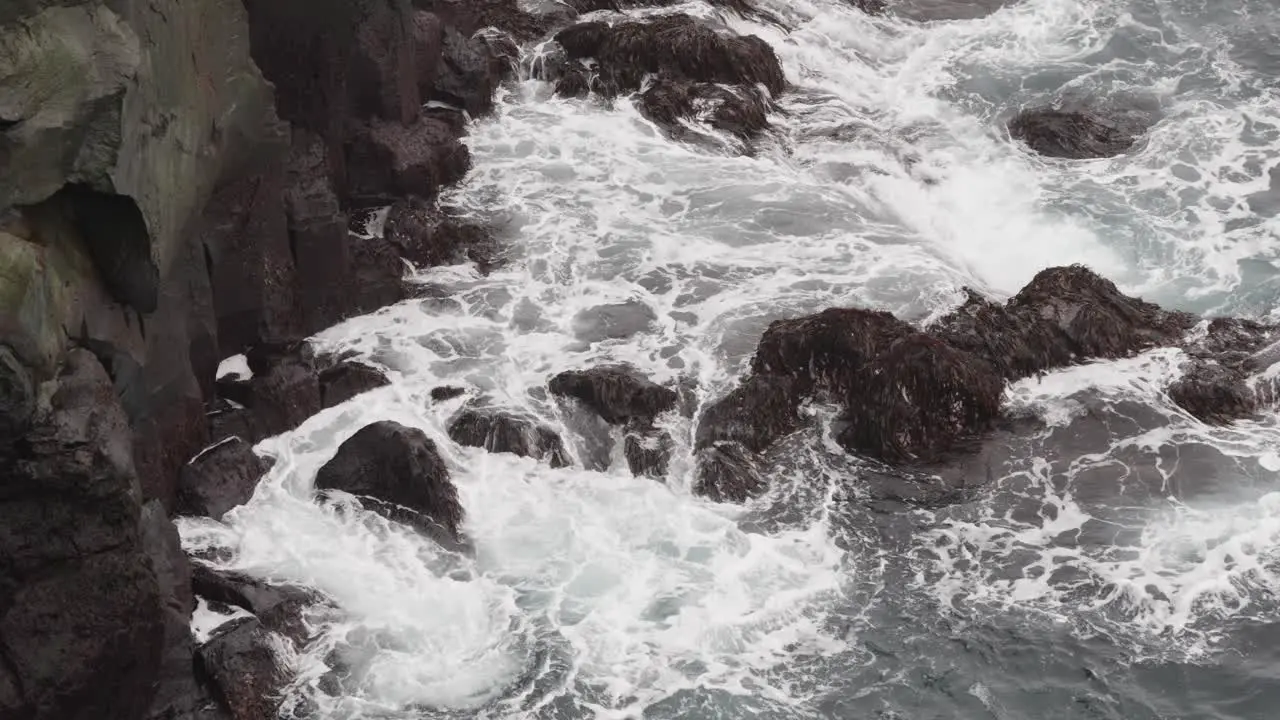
[(1115, 559)]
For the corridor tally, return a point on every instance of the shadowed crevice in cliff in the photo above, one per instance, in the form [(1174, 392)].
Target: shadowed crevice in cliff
[(115, 235)]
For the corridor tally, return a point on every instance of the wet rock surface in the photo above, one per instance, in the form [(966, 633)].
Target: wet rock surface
[(242, 662), (400, 469), (1076, 134), (505, 431), (347, 379), (279, 608), (220, 478), (428, 235), (618, 394)]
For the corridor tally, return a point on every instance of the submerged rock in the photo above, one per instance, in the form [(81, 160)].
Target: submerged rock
[(220, 478), (618, 394), (400, 469), (499, 430), (1077, 135), (742, 112), (614, 321)]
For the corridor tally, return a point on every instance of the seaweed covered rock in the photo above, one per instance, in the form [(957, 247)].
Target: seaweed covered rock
[(429, 235), (1213, 392), (1063, 316), (674, 46), (1076, 134), (755, 414), (826, 350), (727, 472), (498, 430), (399, 469), (742, 112), (1220, 381), (618, 394), (917, 399)]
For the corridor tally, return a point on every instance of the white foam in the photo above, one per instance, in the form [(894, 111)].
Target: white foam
[(235, 367), (205, 620)]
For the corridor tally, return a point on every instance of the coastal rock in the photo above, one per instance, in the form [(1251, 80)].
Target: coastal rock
[(400, 469), (428, 235), (826, 350), (728, 472), (318, 237), (220, 478), (346, 380), (471, 70), (1075, 134), (1214, 393), (445, 393), (386, 161), (500, 431), (742, 112), (932, 10), (755, 414), (1063, 316), (648, 451), (241, 660), (71, 529), (618, 394), (918, 399), (279, 608)]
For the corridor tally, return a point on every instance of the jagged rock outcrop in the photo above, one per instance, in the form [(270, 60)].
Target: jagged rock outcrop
[(504, 431), (911, 397), (1077, 134), (618, 394), (1221, 380), (698, 72), (428, 235), (399, 472)]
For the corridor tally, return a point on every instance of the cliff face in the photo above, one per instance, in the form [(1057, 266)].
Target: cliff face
[(156, 215)]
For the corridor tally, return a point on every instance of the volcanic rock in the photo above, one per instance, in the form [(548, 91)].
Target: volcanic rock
[(400, 469), (242, 662), (428, 235), (387, 160)]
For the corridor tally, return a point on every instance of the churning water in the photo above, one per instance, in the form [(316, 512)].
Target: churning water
[(1117, 560)]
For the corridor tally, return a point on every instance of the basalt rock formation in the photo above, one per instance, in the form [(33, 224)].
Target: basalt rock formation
[(175, 184), (911, 396)]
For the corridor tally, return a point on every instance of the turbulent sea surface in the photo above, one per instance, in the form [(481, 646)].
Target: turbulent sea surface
[(1122, 561)]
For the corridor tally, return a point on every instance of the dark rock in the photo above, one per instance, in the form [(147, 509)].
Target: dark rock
[(318, 237), (1075, 134), (428, 48), (614, 321), (400, 467), (618, 394), (17, 398), (826, 350), (918, 399), (742, 112), (672, 46), (220, 478), (428, 235), (346, 380), (377, 275), (1233, 336), (279, 608), (508, 16), (286, 389), (727, 472), (70, 522), (1063, 316), (115, 234), (471, 70), (387, 161), (871, 7), (241, 662), (755, 414), (1214, 393), (383, 79), (498, 430), (445, 392), (648, 451)]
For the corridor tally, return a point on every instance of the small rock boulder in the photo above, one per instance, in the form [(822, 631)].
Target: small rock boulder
[(399, 469), (346, 380), (220, 478), (498, 430), (1214, 393), (618, 394), (826, 350), (241, 661), (1076, 135), (755, 414), (472, 68), (445, 393)]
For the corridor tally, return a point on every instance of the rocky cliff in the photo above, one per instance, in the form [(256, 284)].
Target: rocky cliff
[(175, 183)]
